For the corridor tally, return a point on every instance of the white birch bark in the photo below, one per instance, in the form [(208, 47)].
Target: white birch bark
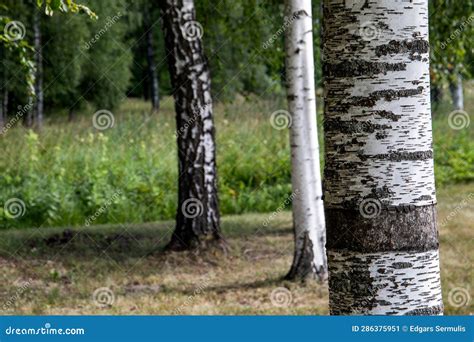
[(308, 212), (456, 89), (379, 180)]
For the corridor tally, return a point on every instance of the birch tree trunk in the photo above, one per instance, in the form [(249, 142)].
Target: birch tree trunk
[(3, 89), (151, 65), (456, 90), (308, 211), (197, 218), (38, 109), (380, 199)]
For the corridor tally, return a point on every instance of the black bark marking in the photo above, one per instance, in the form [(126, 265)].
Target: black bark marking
[(387, 115), (360, 68), (431, 311), (399, 156), (416, 46), (352, 126)]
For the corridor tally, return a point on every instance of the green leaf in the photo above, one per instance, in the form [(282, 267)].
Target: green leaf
[(55, 4)]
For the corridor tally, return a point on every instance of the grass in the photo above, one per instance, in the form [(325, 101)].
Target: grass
[(56, 270), (70, 170)]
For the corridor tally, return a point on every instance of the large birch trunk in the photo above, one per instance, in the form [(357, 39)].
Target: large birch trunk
[(308, 212), (456, 89), (197, 218), (379, 195)]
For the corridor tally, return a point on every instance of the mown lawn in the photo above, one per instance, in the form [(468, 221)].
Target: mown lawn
[(57, 270)]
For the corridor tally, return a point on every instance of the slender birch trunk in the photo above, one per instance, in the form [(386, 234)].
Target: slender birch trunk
[(3, 89), (456, 89), (197, 218), (308, 212), (38, 109), (151, 65), (379, 195)]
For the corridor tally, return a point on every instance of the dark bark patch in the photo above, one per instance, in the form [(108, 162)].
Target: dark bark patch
[(355, 68), (401, 265), (387, 95), (389, 230), (430, 311), (400, 156), (352, 126), (416, 46), (387, 115)]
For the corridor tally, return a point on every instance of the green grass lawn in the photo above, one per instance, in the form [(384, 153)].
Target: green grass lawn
[(56, 270)]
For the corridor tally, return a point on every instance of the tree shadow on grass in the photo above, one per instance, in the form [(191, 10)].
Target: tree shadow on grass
[(118, 242)]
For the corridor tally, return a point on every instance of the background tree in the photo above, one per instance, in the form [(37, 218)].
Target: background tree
[(35, 117), (379, 182), (451, 31), (106, 71), (150, 56), (198, 217), (308, 211)]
